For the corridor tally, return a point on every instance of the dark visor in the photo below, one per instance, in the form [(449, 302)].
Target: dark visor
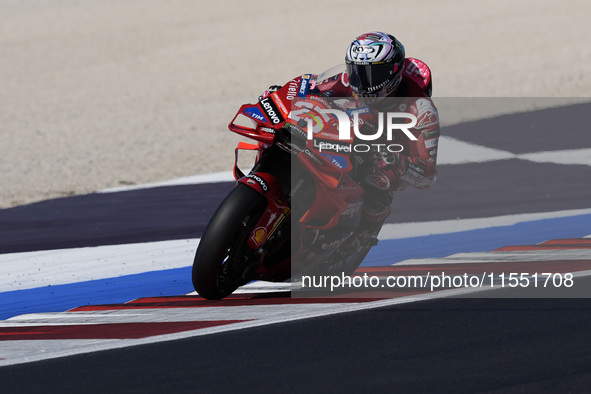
[(370, 78)]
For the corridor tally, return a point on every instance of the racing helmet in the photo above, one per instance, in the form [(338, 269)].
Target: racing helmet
[(374, 64)]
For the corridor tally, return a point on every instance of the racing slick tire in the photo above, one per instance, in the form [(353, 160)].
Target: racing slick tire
[(221, 262)]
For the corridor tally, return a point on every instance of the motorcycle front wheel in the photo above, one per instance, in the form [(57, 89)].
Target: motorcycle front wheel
[(221, 260)]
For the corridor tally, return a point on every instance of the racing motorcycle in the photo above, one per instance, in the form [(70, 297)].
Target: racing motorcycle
[(294, 213)]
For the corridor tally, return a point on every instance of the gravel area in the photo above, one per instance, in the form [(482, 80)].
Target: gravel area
[(104, 93)]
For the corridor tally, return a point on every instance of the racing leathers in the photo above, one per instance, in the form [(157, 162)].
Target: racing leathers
[(414, 161), (382, 171)]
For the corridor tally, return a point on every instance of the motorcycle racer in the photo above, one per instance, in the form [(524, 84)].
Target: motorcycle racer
[(318, 195), (377, 68), (378, 71)]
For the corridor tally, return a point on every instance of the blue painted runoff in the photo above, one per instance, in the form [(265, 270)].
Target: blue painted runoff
[(60, 298), (177, 281), (392, 251)]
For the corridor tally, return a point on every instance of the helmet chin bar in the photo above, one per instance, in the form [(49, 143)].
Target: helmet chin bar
[(384, 91), (370, 80)]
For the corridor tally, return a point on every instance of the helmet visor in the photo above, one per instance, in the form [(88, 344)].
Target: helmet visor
[(371, 78)]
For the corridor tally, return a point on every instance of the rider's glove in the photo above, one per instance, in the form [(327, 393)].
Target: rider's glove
[(383, 158)]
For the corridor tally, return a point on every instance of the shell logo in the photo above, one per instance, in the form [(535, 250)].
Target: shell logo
[(259, 235)]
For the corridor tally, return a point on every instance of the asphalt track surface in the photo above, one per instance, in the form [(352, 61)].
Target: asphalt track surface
[(453, 345), (441, 345)]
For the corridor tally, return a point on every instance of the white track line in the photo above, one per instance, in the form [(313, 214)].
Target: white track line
[(225, 176), (409, 230), (36, 350), (504, 256), (18, 352), (27, 270)]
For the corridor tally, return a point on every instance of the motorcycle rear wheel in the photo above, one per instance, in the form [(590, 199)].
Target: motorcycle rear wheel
[(221, 258)]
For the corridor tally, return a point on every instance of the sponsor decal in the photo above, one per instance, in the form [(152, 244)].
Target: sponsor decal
[(412, 68), (292, 89), (416, 168), (327, 135), (427, 114), (260, 234), (255, 113), (431, 133), (303, 90), (427, 119), (268, 130), (337, 161), (319, 100), (259, 180), (312, 156), (271, 110), (431, 143), (366, 49), (304, 85), (358, 111), (294, 129), (414, 177), (362, 54), (279, 102)]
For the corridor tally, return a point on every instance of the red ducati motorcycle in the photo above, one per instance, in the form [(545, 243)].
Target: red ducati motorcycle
[(294, 213)]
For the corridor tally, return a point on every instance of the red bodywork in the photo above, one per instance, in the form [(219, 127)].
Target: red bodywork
[(338, 199)]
